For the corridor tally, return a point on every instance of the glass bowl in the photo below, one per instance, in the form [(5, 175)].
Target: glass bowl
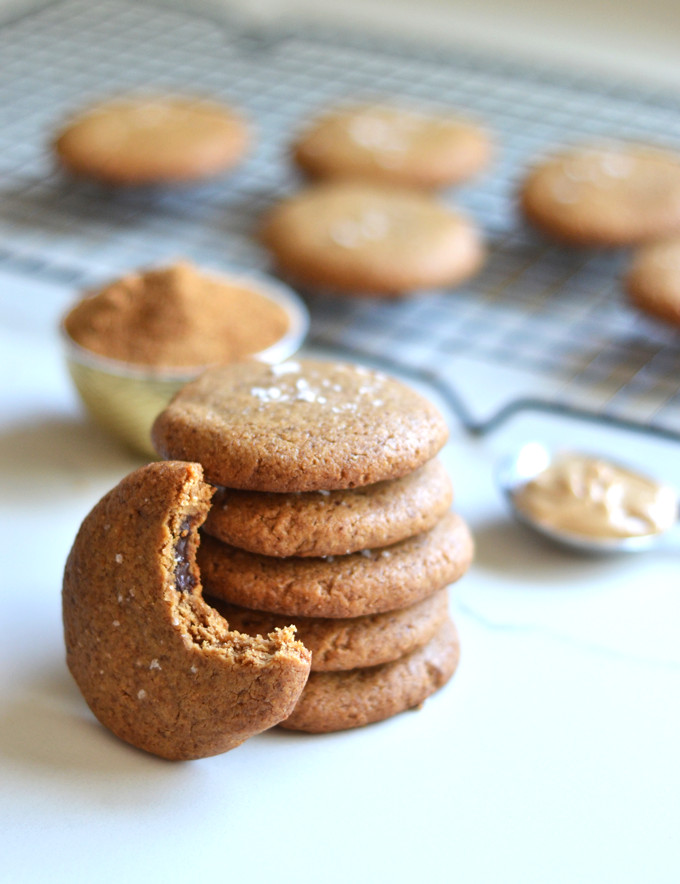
[(125, 398)]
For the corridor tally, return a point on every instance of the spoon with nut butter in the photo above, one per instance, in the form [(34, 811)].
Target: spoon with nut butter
[(586, 502)]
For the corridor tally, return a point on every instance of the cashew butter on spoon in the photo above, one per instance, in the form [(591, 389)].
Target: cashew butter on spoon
[(585, 501)]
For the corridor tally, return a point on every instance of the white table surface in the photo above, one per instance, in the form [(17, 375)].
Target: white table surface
[(552, 756)]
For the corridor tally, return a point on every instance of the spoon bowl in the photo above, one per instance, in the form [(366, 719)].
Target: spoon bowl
[(513, 473)]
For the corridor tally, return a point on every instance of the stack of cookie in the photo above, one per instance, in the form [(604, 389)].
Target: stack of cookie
[(332, 514)]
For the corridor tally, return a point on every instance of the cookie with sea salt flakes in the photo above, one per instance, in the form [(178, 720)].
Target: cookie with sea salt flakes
[(366, 582), (299, 426), (334, 701), (147, 140), (154, 662), (394, 144), (350, 642), (653, 281), (329, 523), (362, 239), (614, 194)]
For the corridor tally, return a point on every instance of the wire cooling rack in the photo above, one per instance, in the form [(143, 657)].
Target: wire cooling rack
[(554, 320)]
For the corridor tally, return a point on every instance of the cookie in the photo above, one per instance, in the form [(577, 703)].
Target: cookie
[(653, 281), (366, 582), (329, 523), (154, 662), (397, 145), (152, 140), (357, 238), (334, 701), (299, 426), (609, 195), (348, 643)]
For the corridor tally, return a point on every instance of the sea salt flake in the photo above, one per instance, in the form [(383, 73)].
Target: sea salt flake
[(116, 622), (345, 233), (285, 368), (119, 559), (155, 664), (141, 694), (268, 394)]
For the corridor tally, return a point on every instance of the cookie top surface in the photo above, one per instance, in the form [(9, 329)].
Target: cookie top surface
[(148, 654), (609, 195), (400, 145), (299, 426), (152, 140), (366, 582), (347, 643), (333, 701), (653, 281), (329, 523), (360, 238)]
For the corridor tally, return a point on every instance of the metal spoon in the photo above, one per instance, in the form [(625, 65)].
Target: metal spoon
[(515, 471)]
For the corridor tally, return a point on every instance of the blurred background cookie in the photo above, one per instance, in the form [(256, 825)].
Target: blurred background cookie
[(384, 142), (653, 281), (613, 194), (153, 140), (358, 238)]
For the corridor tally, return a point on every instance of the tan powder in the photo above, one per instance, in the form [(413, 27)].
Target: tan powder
[(176, 317)]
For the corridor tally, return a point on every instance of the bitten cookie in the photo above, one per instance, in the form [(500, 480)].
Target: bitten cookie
[(348, 643), (329, 523), (610, 195), (653, 281), (358, 238), (393, 144), (334, 701), (153, 140), (367, 582), (299, 426), (154, 662)]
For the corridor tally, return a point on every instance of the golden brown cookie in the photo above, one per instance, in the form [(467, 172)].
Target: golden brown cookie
[(609, 195), (358, 238), (348, 643), (299, 426), (334, 701), (366, 582), (154, 662), (145, 140), (330, 523), (653, 281), (389, 143)]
